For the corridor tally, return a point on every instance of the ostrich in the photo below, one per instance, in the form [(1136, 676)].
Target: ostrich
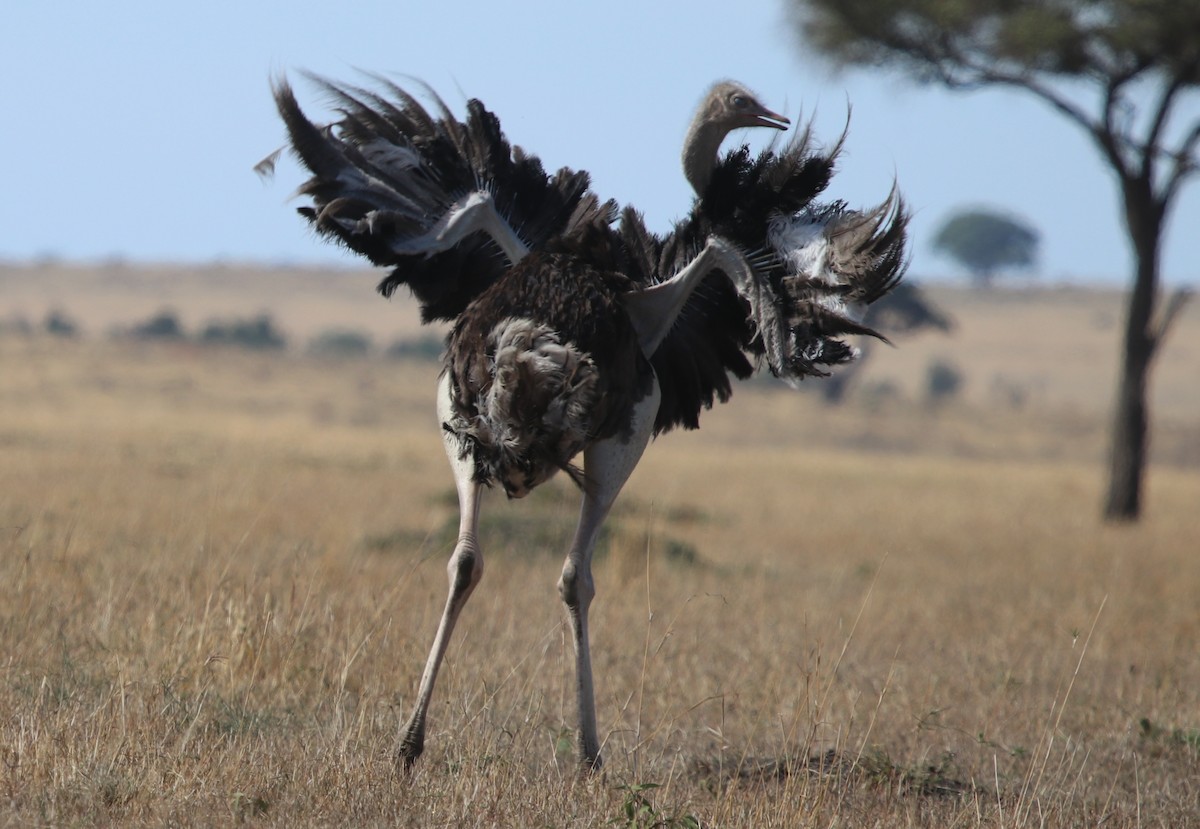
[(575, 334)]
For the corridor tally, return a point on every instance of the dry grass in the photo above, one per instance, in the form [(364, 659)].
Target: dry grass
[(219, 574)]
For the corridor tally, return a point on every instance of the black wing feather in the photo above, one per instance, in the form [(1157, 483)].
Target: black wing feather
[(390, 167), (719, 332)]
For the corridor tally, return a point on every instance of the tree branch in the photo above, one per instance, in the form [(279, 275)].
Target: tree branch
[(1102, 131), (1106, 133), (963, 57), (1162, 112), (986, 74), (1185, 163)]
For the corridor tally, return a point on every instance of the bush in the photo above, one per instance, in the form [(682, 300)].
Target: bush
[(58, 324), (879, 395), (16, 324), (162, 326), (258, 333), (942, 382), (427, 348), (340, 343)]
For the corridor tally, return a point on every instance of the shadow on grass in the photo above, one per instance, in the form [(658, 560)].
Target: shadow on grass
[(873, 767), (541, 526)]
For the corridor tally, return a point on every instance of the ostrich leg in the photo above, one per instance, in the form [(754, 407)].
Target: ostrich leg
[(464, 569), (606, 465)]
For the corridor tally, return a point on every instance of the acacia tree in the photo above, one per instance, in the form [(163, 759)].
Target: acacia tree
[(1118, 69), (983, 241)]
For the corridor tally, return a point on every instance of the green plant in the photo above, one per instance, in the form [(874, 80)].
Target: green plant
[(1152, 732), (932, 779), (638, 812)]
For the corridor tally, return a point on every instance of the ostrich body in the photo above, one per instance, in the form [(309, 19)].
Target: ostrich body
[(575, 334)]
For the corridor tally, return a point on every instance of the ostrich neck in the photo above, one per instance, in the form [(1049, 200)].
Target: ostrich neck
[(700, 153)]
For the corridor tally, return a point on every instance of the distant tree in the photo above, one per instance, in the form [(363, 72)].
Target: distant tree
[(985, 242), (1118, 69)]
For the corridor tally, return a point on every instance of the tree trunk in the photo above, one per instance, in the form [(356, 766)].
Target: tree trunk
[(1129, 436), (1130, 423)]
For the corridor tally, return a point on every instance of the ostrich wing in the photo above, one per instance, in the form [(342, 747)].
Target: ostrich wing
[(449, 204), (704, 343), (816, 265), (811, 269), (653, 310)]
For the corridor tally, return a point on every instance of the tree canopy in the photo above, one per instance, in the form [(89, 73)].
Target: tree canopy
[(1139, 54), (985, 241), (1116, 68)]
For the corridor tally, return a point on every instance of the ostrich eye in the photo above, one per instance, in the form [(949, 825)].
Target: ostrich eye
[(740, 102)]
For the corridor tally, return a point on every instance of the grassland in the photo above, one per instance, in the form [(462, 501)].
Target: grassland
[(220, 571)]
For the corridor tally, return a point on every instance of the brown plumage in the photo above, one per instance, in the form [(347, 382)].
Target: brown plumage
[(538, 372)]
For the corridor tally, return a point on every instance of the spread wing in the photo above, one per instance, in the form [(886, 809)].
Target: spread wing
[(448, 204), (812, 268)]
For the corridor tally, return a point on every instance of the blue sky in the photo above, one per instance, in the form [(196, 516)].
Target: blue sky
[(130, 129)]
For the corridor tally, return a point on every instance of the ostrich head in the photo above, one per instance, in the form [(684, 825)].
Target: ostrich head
[(727, 106)]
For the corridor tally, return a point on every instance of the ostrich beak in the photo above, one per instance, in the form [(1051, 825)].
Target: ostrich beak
[(766, 118)]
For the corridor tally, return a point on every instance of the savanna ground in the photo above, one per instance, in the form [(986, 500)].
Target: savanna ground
[(220, 571)]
